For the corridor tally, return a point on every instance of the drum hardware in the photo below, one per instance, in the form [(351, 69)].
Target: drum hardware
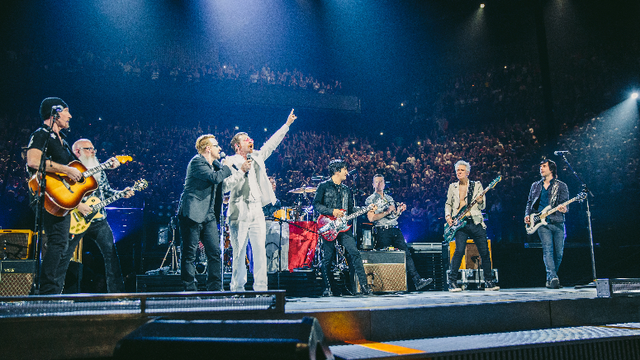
[(303, 190), (174, 268)]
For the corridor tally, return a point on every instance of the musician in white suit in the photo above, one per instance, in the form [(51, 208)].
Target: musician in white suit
[(459, 195), (250, 190)]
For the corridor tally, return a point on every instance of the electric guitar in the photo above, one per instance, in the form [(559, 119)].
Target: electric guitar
[(461, 218), (538, 219), (330, 226), (63, 194), (80, 223)]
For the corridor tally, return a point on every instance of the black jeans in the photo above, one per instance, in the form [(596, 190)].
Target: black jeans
[(351, 253), (479, 236), (100, 232), (54, 267), (207, 233), (393, 237)]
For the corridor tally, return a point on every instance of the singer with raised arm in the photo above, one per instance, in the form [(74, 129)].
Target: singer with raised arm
[(249, 190), (385, 220), (55, 115), (199, 213), (549, 191)]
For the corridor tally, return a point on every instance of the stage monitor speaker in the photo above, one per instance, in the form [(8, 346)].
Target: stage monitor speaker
[(16, 277), (471, 258), (235, 339), (16, 244), (386, 270)]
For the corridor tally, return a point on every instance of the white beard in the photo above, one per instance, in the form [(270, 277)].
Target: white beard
[(89, 161)]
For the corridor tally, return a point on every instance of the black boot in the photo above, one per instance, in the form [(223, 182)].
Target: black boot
[(366, 289), (327, 292)]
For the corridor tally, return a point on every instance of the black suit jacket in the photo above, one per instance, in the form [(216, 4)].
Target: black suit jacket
[(200, 185)]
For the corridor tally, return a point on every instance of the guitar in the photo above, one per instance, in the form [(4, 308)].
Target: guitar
[(538, 219), (461, 218), (80, 223), (330, 226), (63, 194)]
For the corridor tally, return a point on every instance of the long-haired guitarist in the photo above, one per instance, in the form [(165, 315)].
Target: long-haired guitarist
[(99, 230), (55, 115), (334, 199), (459, 195), (544, 192), (386, 228)]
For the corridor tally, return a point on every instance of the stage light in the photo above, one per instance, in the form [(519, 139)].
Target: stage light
[(381, 133), (634, 95), (237, 127), (481, 6), (265, 129)]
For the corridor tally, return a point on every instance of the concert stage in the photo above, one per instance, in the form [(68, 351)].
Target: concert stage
[(354, 327)]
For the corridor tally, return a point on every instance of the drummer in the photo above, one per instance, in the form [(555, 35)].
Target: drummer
[(270, 209)]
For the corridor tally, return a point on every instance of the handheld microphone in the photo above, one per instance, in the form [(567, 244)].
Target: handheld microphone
[(561, 152), (222, 155), (248, 158), (352, 172)]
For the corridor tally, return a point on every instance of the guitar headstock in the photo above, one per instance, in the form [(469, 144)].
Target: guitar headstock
[(580, 197), (140, 185), (495, 182), (124, 158)]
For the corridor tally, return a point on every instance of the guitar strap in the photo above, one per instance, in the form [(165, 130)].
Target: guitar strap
[(470, 190), (344, 197), (554, 193)]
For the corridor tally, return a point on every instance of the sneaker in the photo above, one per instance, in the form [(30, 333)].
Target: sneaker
[(366, 290), (327, 292), (548, 284), (453, 287), (490, 286), (554, 283), (421, 283)]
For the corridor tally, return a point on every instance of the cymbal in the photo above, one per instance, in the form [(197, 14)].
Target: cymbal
[(303, 190)]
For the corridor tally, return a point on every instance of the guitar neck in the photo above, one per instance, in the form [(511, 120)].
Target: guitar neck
[(108, 201), (96, 169), (563, 204), (357, 213), (467, 209)]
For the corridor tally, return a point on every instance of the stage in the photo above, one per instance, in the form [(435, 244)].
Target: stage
[(89, 326)]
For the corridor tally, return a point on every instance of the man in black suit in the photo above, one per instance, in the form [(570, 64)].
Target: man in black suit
[(199, 213)]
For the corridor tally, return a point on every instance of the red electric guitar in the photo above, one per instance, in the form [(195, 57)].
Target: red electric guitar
[(330, 226)]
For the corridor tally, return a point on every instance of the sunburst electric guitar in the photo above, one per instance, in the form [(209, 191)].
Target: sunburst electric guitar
[(63, 194), (80, 223), (461, 218)]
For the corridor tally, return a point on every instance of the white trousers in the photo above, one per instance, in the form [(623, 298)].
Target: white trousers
[(249, 227)]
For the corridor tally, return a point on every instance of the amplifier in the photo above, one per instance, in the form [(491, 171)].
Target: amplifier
[(16, 244), (16, 277), (386, 270), (471, 258), (430, 262)]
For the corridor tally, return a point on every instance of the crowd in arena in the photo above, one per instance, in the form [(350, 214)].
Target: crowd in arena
[(418, 167)]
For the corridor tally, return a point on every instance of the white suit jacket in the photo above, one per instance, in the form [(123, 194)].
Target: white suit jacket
[(239, 200), (453, 202)]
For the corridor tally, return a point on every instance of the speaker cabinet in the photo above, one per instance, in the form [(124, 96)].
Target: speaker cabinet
[(235, 339), (430, 262), (386, 270), (16, 244), (471, 258), (16, 277)]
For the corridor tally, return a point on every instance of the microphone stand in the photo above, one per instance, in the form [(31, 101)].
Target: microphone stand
[(585, 189), (39, 220)]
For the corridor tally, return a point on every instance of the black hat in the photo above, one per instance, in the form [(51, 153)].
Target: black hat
[(46, 108)]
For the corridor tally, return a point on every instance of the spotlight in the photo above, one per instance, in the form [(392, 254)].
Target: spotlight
[(634, 95), (481, 6), (381, 133)]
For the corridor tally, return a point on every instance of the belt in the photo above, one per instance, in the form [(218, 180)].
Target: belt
[(386, 227)]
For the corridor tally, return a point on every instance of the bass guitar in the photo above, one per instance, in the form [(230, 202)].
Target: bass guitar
[(461, 218), (80, 223), (63, 194), (330, 226), (538, 219)]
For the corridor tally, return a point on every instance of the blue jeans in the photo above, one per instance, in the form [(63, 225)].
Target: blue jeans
[(552, 239)]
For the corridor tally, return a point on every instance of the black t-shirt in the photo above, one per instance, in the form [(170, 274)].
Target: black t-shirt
[(58, 152)]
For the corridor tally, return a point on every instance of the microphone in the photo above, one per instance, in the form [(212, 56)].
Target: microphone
[(352, 172), (561, 152), (222, 155), (248, 158)]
